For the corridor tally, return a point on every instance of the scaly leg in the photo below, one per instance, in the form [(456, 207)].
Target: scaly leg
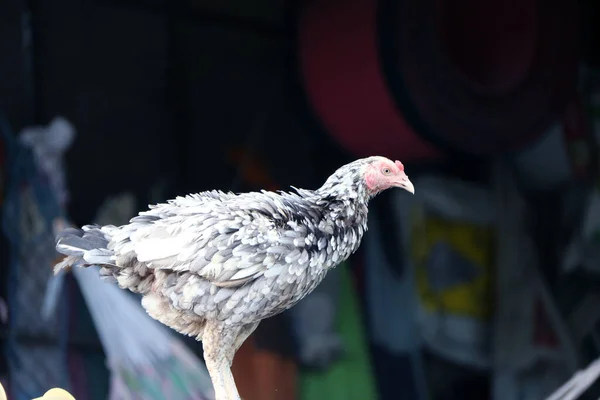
[(217, 380), (230, 386), (218, 342)]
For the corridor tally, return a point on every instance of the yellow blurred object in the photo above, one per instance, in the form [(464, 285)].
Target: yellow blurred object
[(472, 242), (2, 393), (56, 394)]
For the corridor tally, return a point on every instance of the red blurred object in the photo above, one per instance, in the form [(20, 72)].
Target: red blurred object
[(398, 77), (344, 82)]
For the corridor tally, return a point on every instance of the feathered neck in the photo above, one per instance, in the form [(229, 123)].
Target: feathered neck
[(347, 183)]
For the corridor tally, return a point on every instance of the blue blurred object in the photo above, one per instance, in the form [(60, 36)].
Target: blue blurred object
[(36, 348)]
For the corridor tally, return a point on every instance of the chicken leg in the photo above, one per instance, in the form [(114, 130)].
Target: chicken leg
[(220, 344)]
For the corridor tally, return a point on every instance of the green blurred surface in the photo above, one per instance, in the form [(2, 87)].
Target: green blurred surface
[(350, 378)]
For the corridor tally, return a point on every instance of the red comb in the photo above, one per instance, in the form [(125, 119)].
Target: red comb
[(399, 165)]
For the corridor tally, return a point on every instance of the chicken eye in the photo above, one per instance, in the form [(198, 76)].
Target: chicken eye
[(386, 171)]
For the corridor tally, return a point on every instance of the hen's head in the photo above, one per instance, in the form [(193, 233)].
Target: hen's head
[(382, 173), (367, 177)]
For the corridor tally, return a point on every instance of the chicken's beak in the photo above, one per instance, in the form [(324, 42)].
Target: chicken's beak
[(405, 184)]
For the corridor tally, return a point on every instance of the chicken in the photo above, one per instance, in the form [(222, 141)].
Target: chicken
[(212, 265)]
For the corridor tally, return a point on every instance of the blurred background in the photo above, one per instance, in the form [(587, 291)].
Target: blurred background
[(484, 285)]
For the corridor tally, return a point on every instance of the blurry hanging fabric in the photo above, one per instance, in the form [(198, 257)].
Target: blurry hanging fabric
[(36, 348), (351, 377), (391, 300), (452, 250)]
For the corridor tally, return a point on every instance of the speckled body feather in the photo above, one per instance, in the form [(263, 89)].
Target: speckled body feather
[(235, 258)]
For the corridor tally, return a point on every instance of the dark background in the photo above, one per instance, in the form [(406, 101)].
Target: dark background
[(161, 92)]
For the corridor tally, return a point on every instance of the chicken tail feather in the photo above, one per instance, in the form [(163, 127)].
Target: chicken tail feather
[(83, 247)]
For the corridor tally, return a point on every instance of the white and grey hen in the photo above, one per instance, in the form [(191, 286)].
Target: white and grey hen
[(212, 265)]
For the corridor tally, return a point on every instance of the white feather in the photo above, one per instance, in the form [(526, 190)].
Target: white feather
[(247, 272), (157, 249)]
